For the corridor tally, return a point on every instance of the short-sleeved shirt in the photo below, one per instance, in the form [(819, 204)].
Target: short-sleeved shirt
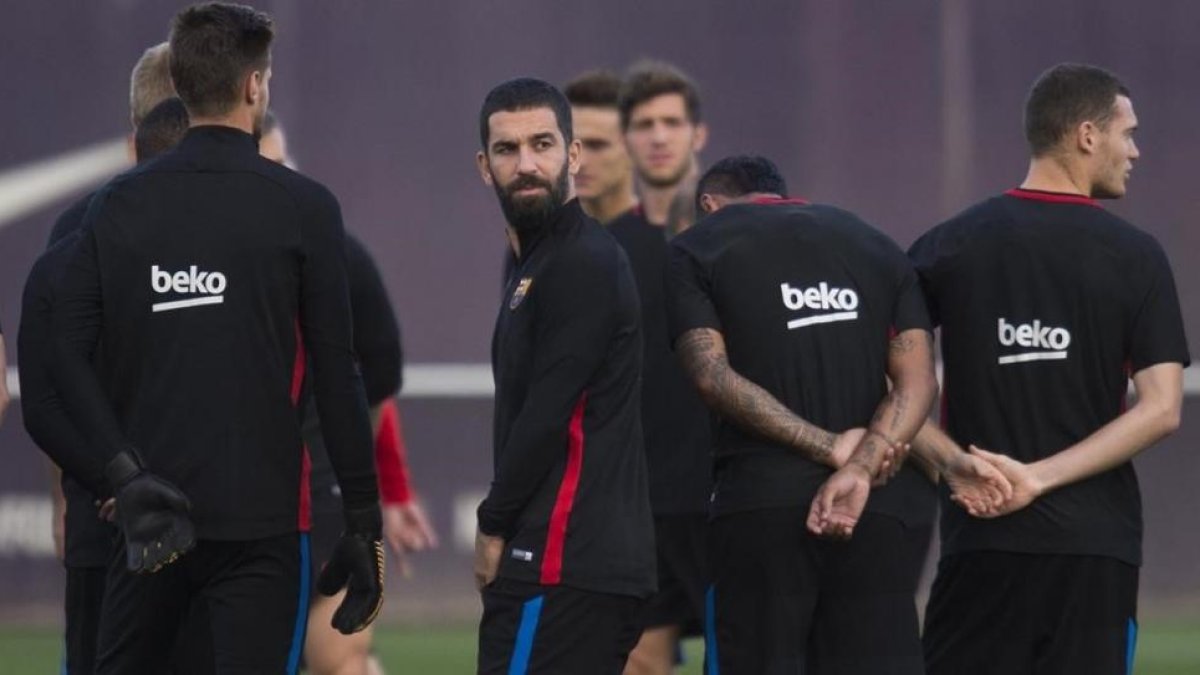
[(1047, 303), (675, 421), (807, 298)]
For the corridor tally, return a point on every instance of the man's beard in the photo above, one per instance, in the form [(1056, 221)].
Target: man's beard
[(528, 215)]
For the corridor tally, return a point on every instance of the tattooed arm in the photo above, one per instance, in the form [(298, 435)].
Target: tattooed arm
[(841, 499), (754, 409), (905, 408)]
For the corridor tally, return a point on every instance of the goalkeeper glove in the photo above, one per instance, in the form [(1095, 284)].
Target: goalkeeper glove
[(356, 565), (152, 514)]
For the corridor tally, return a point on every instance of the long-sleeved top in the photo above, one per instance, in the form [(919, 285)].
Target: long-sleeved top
[(570, 494), (212, 276)]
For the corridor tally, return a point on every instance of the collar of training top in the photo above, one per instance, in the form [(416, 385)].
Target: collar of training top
[(215, 134), (1052, 197), (779, 201)]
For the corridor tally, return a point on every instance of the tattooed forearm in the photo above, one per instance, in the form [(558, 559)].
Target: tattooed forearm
[(702, 352), (869, 454), (905, 407), (899, 404)]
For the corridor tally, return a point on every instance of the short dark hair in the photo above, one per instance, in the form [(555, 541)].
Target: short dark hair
[(651, 79), (525, 93), (161, 129), (214, 46), (742, 175), (1064, 97), (594, 89)]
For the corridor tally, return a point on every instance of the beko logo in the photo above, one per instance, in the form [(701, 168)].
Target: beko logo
[(210, 285), (1050, 343), (835, 304)]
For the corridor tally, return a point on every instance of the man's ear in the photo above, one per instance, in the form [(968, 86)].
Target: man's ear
[(708, 204), (252, 89), (485, 171), (574, 156), (1087, 137), (701, 138)]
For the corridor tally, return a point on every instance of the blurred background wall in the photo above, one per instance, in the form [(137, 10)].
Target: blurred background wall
[(905, 112)]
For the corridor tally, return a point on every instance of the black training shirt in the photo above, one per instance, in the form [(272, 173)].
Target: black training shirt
[(1047, 303), (88, 539), (675, 421), (569, 494), (209, 274), (70, 220), (377, 348), (807, 298)]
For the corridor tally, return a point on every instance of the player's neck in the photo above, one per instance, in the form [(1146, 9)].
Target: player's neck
[(240, 119), (607, 207), (1050, 174), (656, 201)]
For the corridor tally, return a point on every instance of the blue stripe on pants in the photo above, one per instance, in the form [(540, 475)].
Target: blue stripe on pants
[(710, 631), (301, 609), (1130, 645), (530, 614)]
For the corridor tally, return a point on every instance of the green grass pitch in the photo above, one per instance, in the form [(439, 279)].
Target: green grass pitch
[(1164, 648)]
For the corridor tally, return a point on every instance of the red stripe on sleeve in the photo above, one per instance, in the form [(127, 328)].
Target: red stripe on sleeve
[(557, 536), (298, 367), (304, 513), (304, 517), (391, 457)]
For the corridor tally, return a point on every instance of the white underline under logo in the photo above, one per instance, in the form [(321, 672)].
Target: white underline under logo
[(180, 304), (822, 318)]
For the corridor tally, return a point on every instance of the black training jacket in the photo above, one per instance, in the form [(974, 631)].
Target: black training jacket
[(209, 274), (570, 492)]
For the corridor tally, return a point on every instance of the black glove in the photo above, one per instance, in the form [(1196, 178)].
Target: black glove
[(152, 513), (356, 565)]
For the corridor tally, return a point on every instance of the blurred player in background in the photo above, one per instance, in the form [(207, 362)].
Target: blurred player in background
[(405, 526), (1049, 305), (204, 362), (660, 115), (564, 548), (604, 183), (675, 423), (790, 319), (81, 540)]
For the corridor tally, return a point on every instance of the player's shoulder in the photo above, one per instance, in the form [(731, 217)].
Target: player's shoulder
[(1125, 234), (50, 264), (586, 252), (952, 235), (982, 214), (305, 190), (70, 220)]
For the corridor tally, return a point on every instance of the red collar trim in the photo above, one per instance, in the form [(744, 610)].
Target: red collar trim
[(779, 201), (1052, 197)]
